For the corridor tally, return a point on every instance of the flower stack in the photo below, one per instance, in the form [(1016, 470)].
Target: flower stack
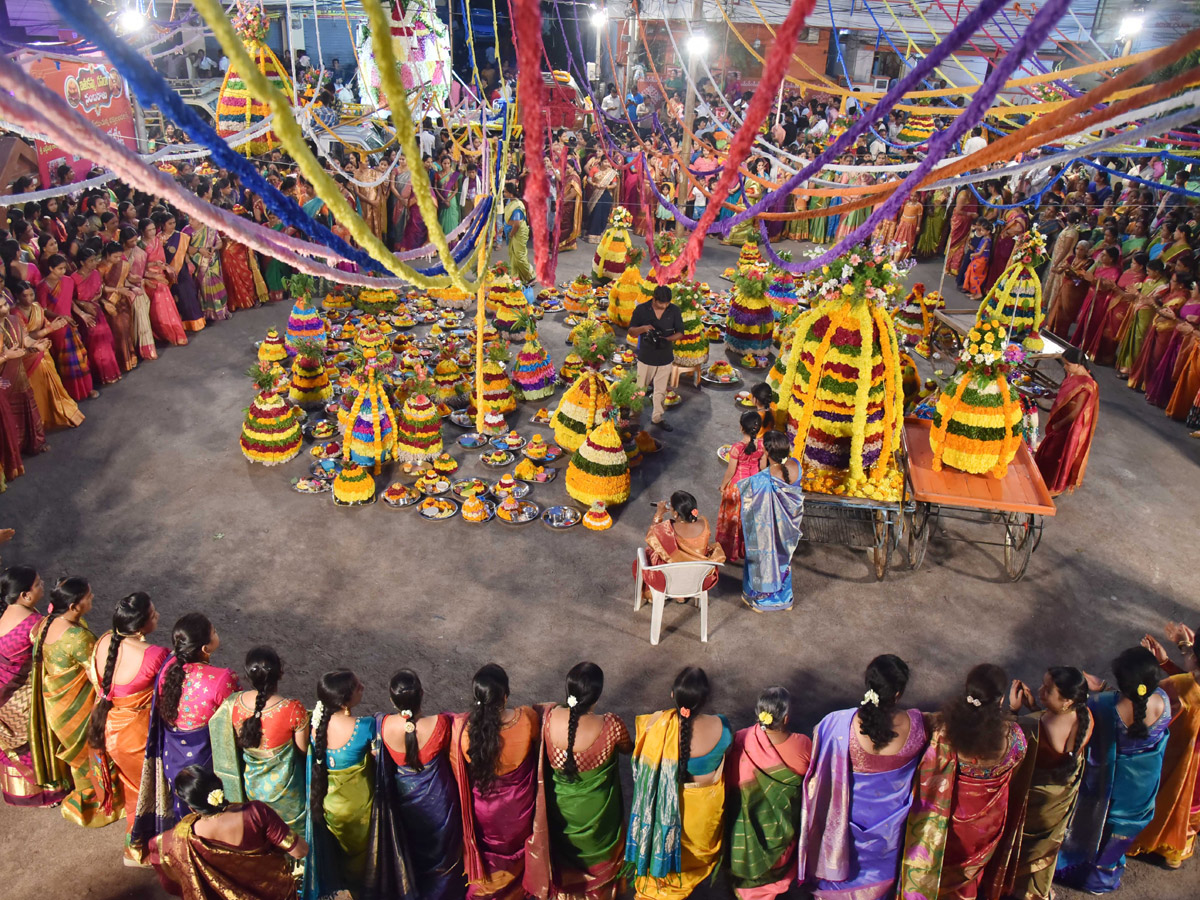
[(841, 387), (592, 326), (534, 372), (749, 256), (909, 317), (599, 468), (310, 382), (449, 381), (782, 293), (418, 427), (497, 388), (506, 301), (579, 297), (271, 430), (977, 421), (691, 350), (238, 108), (370, 341), (337, 301), (451, 297), (612, 254), (1015, 300), (585, 403), (304, 323), (370, 438), (918, 128), (272, 349), (627, 292), (751, 320)]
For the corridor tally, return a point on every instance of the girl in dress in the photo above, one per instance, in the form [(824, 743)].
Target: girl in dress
[(745, 458)]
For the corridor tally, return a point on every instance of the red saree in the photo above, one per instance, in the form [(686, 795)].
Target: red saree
[(18, 391), (240, 283), (1072, 288), (961, 219), (1090, 319), (164, 316), (1063, 454), (664, 546), (120, 310), (1101, 345), (98, 337)]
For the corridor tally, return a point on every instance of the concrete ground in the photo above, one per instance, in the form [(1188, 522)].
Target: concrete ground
[(152, 494)]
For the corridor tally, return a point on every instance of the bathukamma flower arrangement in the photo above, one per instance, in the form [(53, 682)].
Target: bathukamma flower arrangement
[(1015, 300)]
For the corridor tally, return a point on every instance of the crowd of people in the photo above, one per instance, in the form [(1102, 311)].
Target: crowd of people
[(225, 780)]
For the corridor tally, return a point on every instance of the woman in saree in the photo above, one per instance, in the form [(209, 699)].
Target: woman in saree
[(182, 273), (1062, 455), (244, 285), (1137, 239), (859, 790), (1016, 223), (341, 788), (204, 253), (578, 842), (164, 316), (1101, 344), (1060, 257), (745, 459), (1160, 333), (415, 232), (908, 227), (54, 404), (126, 667), (746, 232), (767, 763), (1111, 240), (601, 186), (1171, 834), (222, 849), (56, 296), (446, 183), (570, 210), (974, 273), (16, 266), (143, 328), (676, 819), (494, 756), (679, 534), (1176, 357), (21, 590), (1143, 302), (772, 507), (275, 271), (89, 314), (188, 693), (117, 300), (1071, 289), (259, 739), (1103, 279), (933, 225), (416, 820), (63, 697), (15, 346), (1058, 733), (847, 222), (958, 819), (1124, 766), (370, 196), (1181, 242), (516, 230), (962, 217)]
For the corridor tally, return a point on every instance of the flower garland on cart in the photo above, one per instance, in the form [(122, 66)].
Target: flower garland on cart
[(1015, 300)]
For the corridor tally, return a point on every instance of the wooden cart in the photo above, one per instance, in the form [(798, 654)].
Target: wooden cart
[(950, 327), (1018, 502), (873, 525)]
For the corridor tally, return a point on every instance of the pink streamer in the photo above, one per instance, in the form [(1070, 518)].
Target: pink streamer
[(527, 25)]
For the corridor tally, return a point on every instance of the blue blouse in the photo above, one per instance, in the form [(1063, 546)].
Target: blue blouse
[(355, 750), (708, 763)]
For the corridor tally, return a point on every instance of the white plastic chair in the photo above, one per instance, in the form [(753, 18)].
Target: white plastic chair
[(684, 579)]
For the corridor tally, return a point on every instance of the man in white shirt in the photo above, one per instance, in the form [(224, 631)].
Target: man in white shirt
[(819, 128), (425, 138), (974, 143), (611, 104), (224, 63), (204, 63)]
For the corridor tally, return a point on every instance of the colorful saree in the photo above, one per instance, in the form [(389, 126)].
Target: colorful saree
[(675, 833), (975, 272), (772, 511), (18, 390), (498, 821), (570, 213), (70, 357), (275, 271), (966, 210), (729, 513), (272, 774), (120, 309), (1157, 340), (196, 868), (1068, 297), (517, 225), (578, 842), (1049, 804), (1116, 799), (1016, 223), (765, 812), (1102, 344), (164, 316), (62, 706), (415, 846), (55, 406), (663, 546), (135, 281), (1089, 321), (204, 252), (338, 840), (933, 227), (244, 290), (1060, 257), (1187, 380), (1062, 455), (958, 821), (1137, 323), (1172, 832), (1166, 373), (98, 338), (18, 784), (187, 293), (855, 807)]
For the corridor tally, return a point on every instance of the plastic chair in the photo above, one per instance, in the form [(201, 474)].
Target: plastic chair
[(685, 579), (677, 371)]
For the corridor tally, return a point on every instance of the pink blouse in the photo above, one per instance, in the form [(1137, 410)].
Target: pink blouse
[(205, 688)]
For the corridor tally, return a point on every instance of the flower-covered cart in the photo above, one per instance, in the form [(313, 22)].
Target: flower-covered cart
[(877, 526)]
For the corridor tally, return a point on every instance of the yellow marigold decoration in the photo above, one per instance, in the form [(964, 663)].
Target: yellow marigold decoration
[(599, 469), (584, 404), (1015, 300), (625, 294)]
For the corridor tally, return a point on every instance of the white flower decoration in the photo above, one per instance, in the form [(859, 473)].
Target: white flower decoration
[(215, 798), (870, 697), (572, 701)]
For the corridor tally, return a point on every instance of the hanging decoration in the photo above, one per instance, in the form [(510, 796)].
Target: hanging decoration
[(421, 43)]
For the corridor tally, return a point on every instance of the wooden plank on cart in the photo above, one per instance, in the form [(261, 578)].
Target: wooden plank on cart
[(1022, 490)]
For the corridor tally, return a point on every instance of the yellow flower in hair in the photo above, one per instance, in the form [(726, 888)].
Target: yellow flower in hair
[(766, 718), (1141, 690)]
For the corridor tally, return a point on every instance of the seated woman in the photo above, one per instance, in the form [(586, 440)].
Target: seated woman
[(1063, 453), (243, 848), (679, 534), (676, 818)]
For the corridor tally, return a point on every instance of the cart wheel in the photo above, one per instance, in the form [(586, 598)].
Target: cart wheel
[(1019, 539), (918, 535), (882, 551)]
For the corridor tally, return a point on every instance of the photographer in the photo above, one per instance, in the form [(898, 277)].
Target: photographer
[(657, 324)]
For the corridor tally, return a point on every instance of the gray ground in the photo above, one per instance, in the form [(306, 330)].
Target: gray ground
[(152, 494)]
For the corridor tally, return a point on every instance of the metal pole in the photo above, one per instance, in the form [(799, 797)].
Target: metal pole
[(450, 27), (633, 32), (689, 120), (287, 24)]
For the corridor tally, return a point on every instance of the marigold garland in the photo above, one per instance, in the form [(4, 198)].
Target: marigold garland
[(1015, 299), (370, 437)]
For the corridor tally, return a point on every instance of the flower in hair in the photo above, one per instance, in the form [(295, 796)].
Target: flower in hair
[(869, 697), (318, 711), (406, 713), (766, 719), (973, 701), (409, 726), (1141, 690), (572, 701), (684, 712), (215, 798)]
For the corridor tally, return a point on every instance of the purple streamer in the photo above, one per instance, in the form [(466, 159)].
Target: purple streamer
[(1043, 21)]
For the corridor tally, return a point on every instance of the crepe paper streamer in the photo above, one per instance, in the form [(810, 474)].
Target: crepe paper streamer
[(527, 33), (389, 77), (153, 89), (743, 140)]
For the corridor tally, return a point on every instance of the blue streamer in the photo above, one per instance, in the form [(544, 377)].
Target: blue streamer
[(152, 88)]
